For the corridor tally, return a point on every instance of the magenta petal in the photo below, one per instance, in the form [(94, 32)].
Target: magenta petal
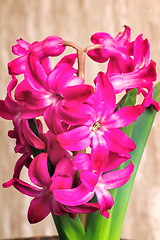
[(123, 117), (17, 66), (89, 179), (33, 99), (38, 170), (9, 183), (24, 160), (118, 141), (39, 208), (9, 108), (117, 178), (60, 77), (31, 138), (99, 153), (26, 188), (138, 51), (46, 65), (73, 197), (105, 99), (75, 115), (64, 167), (75, 139), (62, 182), (69, 59), (114, 160), (141, 78), (124, 37), (84, 208), (75, 95), (104, 198), (21, 48), (55, 125), (50, 46), (54, 150), (81, 161), (36, 76)]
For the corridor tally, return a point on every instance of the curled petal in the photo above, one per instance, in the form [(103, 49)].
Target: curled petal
[(62, 182), (73, 197), (21, 48), (75, 115), (24, 160), (84, 208), (24, 188), (50, 46), (38, 171), (142, 78), (69, 59), (117, 178), (75, 95), (124, 36), (114, 160), (105, 200), (50, 114), (60, 77), (36, 75), (17, 66), (31, 138), (39, 208)]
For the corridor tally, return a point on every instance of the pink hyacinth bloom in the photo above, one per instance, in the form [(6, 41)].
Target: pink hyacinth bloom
[(50, 46), (61, 92), (141, 79), (118, 50), (13, 110), (44, 201), (102, 130), (94, 182)]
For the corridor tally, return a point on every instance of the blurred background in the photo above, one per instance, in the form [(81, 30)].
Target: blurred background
[(77, 20)]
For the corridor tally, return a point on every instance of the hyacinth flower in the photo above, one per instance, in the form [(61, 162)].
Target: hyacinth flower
[(61, 92), (65, 180), (117, 50), (133, 55), (44, 201), (102, 130), (95, 177), (50, 46)]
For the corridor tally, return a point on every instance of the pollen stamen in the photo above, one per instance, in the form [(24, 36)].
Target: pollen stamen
[(96, 126)]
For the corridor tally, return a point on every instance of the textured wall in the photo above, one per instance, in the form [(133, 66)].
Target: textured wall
[(76, 20)]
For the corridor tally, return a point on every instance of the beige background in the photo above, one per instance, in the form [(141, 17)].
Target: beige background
[(77, 20)]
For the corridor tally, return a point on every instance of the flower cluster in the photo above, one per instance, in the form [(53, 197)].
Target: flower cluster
[(64, 177)]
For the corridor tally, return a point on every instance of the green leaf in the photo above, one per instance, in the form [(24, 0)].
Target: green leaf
[(68, 228)]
